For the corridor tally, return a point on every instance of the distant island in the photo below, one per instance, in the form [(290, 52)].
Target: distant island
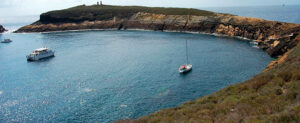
[(271, 96), (2, 29)]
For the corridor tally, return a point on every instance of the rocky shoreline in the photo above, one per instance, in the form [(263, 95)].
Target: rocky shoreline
[(274, 37)]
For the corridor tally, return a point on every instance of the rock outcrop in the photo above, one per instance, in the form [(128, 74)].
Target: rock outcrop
[(2, 29), (274, 37)]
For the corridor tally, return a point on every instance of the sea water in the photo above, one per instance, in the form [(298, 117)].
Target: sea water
[(103, 76), (283, 13)]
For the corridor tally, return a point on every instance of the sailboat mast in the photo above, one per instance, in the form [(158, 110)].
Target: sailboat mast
[(187, 56)]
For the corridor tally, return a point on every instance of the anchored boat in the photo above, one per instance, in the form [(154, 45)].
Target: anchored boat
[(187, 67), (40, 54)]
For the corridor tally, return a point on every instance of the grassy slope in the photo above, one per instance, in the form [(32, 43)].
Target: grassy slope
[(104, 12), (273, 95)]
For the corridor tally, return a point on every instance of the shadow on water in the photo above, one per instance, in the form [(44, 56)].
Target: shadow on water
[(186, 74)]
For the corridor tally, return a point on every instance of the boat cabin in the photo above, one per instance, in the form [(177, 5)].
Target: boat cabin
[(40, 50)]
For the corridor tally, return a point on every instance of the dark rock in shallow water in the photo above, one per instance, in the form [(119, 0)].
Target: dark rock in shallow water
[(2, 29)]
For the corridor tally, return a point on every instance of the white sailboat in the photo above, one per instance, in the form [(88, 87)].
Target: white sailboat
[(187, 67)]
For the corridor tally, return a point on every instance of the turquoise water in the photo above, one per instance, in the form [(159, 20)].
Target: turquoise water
[(103, 76)]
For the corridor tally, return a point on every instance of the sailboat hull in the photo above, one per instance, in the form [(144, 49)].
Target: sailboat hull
[(187, 68)]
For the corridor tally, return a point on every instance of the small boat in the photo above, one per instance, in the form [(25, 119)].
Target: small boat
[(187, 67), (6, 41), (40, 54)]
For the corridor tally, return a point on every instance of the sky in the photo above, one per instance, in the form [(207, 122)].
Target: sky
[(12, 8)]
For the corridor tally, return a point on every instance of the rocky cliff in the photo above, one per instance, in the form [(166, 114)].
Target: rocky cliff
[(274, 37), (2, 29)]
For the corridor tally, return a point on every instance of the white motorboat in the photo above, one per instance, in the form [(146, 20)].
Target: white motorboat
[(6, 41), (187, 67), (40, 54)]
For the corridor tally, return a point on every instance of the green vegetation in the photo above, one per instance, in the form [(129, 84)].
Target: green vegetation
[(106, 12), (272, 96)]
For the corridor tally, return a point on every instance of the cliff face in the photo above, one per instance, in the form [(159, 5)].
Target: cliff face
[(274, 37), (2, 29)]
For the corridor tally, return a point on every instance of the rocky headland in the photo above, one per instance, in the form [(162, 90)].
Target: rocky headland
[(2, 29), (274, 37), (271, 96)]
